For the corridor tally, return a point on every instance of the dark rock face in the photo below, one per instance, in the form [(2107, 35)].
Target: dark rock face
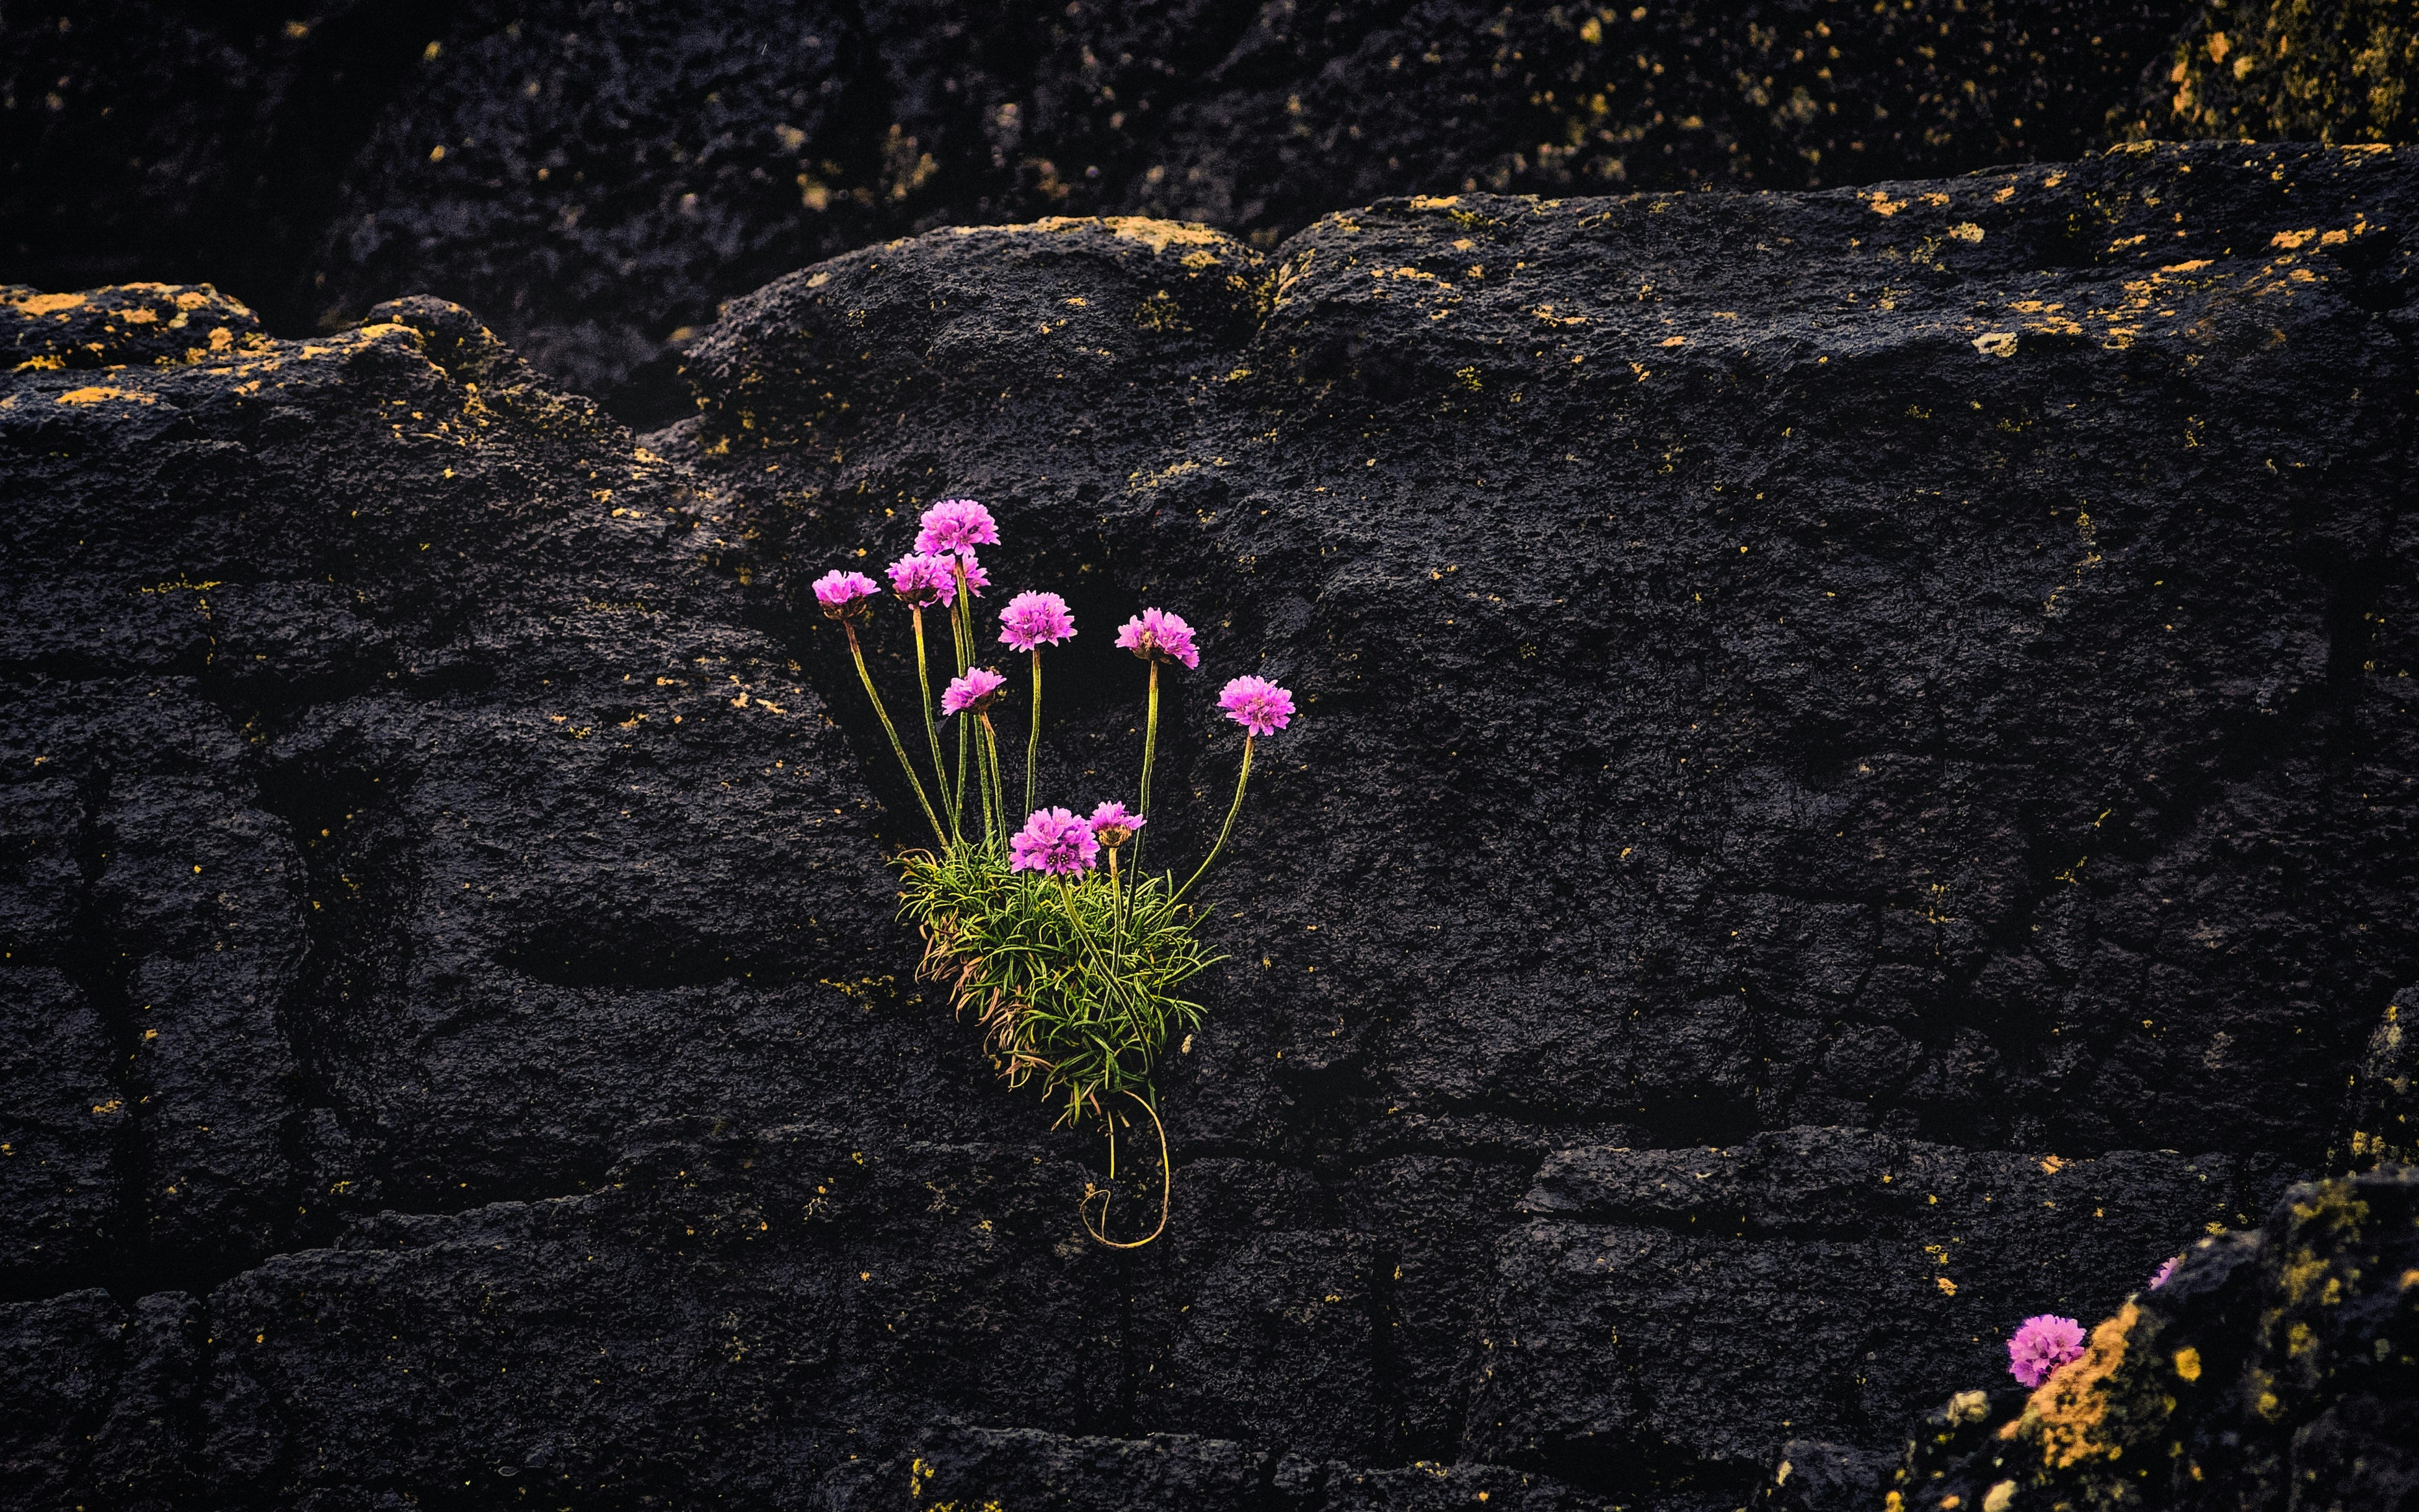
[(596, 177), (2273, 1369), (1810, 704), (2336, 72)]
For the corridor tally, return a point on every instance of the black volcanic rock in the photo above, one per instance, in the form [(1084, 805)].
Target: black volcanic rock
[(2336, 72), (1809, 705), (596, 177), (2275, 1369)]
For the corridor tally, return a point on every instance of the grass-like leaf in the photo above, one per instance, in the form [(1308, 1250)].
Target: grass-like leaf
[(1064, 987)]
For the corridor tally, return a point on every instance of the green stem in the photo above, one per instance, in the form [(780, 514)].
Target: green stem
[(897, 748), (995, 817), (961, 634), (1033, 741), (1240, 778), (953, 801), (1149, 750)]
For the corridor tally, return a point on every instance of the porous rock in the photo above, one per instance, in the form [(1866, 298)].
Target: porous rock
[(530, 1085), (595, 178), (2273, 1369)]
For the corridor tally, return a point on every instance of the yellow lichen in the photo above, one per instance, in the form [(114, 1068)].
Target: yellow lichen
[(2070, 1407)]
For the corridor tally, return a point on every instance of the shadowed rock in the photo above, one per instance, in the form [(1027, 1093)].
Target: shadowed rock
[(1796, 688)]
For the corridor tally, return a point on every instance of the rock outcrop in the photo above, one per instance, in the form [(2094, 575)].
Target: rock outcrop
[(595, 178), (1811, 704), (2273, 1369)]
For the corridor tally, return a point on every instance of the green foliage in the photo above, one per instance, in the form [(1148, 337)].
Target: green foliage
[(1076, 981)]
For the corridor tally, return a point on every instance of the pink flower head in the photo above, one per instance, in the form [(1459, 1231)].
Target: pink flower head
[(2159, 1277), (2042, 1345), (956, 525), (924, 580), (972, 692), (1034, 620), (1155, 634), (977, 580), (1260, 706), (843, 595), (1113, 826), (1053, 840)]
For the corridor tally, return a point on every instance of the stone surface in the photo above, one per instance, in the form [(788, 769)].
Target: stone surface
[(2382, 1115), (2337, 71), (529, 1094), (595, 178), (2273, 1369)]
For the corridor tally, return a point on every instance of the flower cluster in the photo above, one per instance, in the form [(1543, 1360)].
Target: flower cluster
[(2041, 1346), (844, 595), (1257, 704), (1155, 634), (1032, 621), (1054, 841), (1052, 933), (972, 691)]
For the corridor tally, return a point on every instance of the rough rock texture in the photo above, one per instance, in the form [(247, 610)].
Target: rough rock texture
[(2338, 71), (2382, 1115), (2274, 1368), (1810, 704), (595, 178)]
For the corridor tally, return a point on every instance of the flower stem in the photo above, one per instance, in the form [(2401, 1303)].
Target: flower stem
[(1033, 741), (1149, 750), (898, 749), (1240, 778), (994, 804), (962, 639), (953, 801)]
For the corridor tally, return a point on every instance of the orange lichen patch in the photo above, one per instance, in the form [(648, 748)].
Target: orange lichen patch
[(2188, 1363), (2071, 1405), (48, 304), (1882, 205), (2290, 239), (138, 317), (101, 395)]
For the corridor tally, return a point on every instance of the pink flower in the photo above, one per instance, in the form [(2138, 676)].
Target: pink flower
[(2042, 1345), (971, 692), (1260, 706), (1053, 840), (1113, 826), (924, 580), (1157, 634), (956, 525), (843, 595), (2159, 1277), (1034, 620), (977, 580)]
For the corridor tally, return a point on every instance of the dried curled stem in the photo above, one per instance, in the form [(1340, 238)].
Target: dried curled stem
[(1167, 1187)]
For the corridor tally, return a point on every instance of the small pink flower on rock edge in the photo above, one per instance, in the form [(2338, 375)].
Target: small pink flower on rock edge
[(1113, 826), (2159, 1277), (1054, 841), (1260, 706), (972, 692), (956, 525), (923, 579), (1157, 634), (1034, 620), (2041, 1346), (843, 595)]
